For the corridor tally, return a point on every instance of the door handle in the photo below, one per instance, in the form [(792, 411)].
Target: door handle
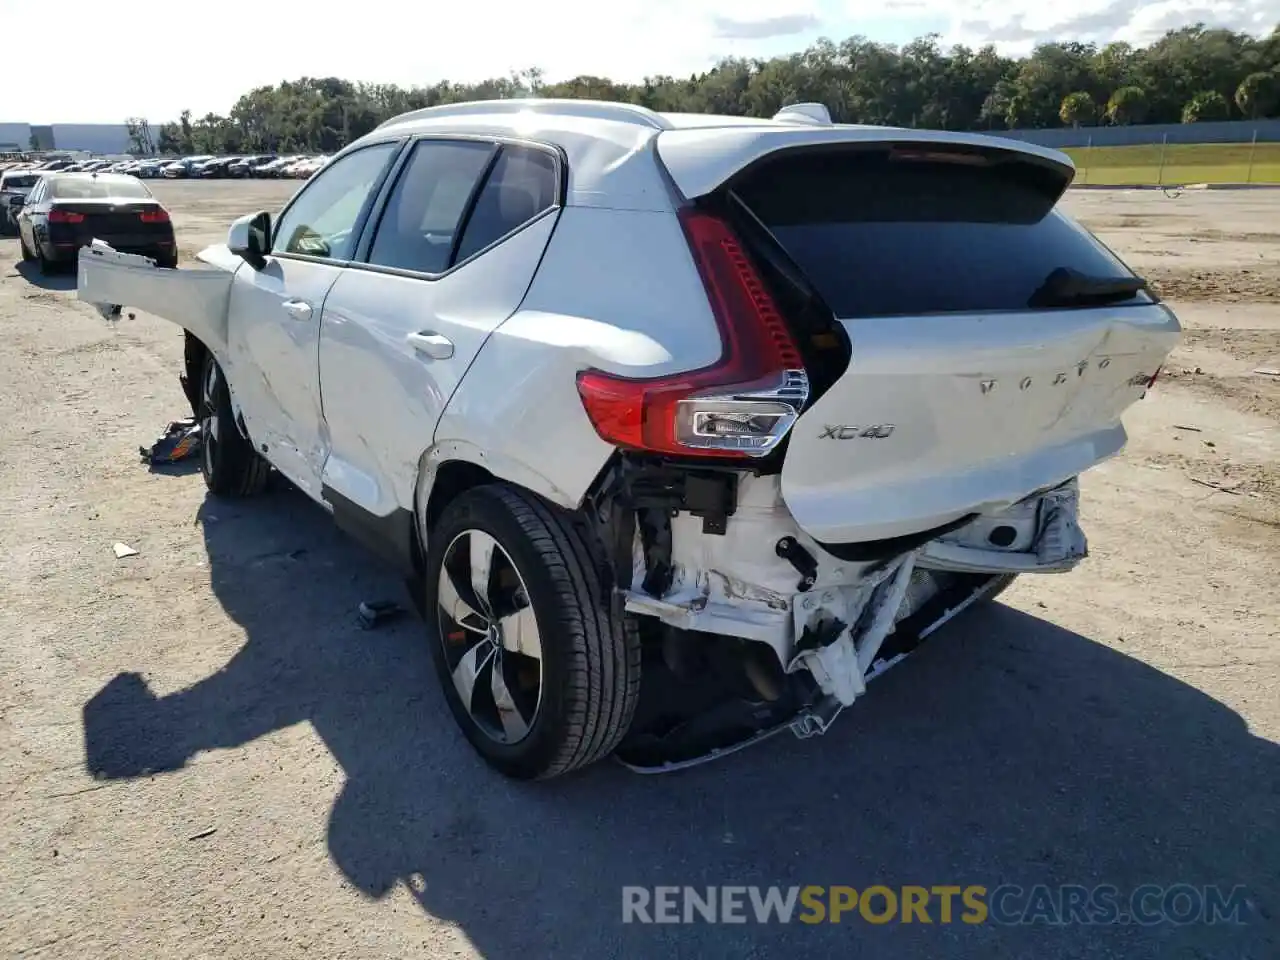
[(431, 344), (298, 309)]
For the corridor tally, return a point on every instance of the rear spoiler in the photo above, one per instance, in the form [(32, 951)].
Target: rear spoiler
[(701, 160)]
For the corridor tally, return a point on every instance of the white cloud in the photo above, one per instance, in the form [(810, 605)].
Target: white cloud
[(1017, 25), (202, 57), (766, 27)]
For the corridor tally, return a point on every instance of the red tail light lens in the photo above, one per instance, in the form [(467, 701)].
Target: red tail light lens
[(740, 406), (154, 216), (65, 216)]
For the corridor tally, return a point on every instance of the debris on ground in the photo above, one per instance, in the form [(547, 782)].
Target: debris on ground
[(1224, 488), (181, 440), (1183, 426), (1268, 371), (123, 550), (374, 613), (203, 833)]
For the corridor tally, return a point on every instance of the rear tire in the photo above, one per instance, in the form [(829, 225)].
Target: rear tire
[(47, 267), (587, 661), (228, 462)]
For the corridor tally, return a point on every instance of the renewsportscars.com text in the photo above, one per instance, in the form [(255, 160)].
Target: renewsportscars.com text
[(1007, 904)]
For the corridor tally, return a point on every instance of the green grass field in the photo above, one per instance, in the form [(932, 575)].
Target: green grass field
[(1183, 163)]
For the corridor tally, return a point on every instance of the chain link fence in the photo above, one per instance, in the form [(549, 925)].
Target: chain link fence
[(1177, 164)]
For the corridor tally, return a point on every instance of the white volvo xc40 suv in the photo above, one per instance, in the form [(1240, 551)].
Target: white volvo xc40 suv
[(681, 427)]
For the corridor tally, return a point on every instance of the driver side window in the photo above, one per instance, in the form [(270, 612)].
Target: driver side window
[(322, 221)]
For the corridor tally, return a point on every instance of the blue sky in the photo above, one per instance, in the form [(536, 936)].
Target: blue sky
[(202, 56)]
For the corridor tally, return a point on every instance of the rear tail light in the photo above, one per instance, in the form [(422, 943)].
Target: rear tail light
[(154, 216), (65, 216), (742, 405)]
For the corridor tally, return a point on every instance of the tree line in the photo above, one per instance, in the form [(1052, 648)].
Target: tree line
[(1189, 75)]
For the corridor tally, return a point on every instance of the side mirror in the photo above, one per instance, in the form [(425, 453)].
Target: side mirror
[(250, 239), (17, 200)]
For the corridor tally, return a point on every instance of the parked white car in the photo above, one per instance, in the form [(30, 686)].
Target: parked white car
[(681, 427), (15, 187)]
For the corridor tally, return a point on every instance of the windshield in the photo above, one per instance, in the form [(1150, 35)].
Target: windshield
[(20, 182), (97, 188)]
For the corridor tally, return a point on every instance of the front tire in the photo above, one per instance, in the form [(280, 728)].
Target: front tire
[(228, 462), (27, 255), (539, 667)]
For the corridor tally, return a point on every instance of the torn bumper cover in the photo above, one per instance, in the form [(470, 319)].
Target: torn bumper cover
[(833, 624), (195, 299), (1041, 534)]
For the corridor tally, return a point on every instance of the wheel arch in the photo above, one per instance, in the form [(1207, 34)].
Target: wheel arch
[(193, 356), (194, 352), (451, 467)]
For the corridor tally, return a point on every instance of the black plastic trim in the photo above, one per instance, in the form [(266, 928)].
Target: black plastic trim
[(892, 546), (391, 537)]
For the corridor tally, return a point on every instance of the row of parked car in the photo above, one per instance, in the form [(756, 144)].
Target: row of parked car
[(297, 167)]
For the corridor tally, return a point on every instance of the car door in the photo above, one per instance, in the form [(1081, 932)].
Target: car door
[(273, 321), (451, 256)]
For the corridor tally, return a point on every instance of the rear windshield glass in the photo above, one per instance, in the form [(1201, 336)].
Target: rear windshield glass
[(880, 237), (100, 188), (20, 181)]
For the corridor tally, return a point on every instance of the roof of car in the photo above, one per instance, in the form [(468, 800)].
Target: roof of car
[(608, 144)]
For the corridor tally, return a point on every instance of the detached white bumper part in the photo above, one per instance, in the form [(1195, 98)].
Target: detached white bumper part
[(1041, 534), (194, 299)]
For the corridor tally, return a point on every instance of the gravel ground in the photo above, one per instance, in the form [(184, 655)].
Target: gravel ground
[(201, 755)]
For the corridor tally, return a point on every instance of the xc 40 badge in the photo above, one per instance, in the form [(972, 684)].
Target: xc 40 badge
[(841, 431)]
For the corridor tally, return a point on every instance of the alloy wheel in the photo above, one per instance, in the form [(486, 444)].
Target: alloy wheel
[(209, 417), (490, 637)]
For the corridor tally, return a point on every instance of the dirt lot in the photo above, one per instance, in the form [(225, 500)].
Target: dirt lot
[(201, 755)]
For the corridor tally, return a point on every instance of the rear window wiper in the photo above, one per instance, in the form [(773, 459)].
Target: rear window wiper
[(1065, 287)]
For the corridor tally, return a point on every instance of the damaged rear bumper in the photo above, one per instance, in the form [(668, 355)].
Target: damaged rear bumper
[(1041, 534), (832, 625)]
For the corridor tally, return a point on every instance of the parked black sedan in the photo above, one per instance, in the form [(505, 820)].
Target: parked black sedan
[(67, 211)]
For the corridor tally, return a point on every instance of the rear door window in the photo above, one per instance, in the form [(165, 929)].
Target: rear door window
[(419, 227), (880, 233), (521, 186)]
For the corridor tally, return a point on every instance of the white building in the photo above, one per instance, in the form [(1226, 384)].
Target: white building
[(97, 138)]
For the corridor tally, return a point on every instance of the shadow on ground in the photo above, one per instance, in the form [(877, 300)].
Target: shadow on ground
[(1007, 751), (63, 279)]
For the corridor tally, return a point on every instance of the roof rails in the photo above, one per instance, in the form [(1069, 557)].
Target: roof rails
[(589, 109), (810, 114)]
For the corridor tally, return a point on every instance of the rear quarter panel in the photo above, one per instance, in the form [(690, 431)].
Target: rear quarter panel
[(617, 291)]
